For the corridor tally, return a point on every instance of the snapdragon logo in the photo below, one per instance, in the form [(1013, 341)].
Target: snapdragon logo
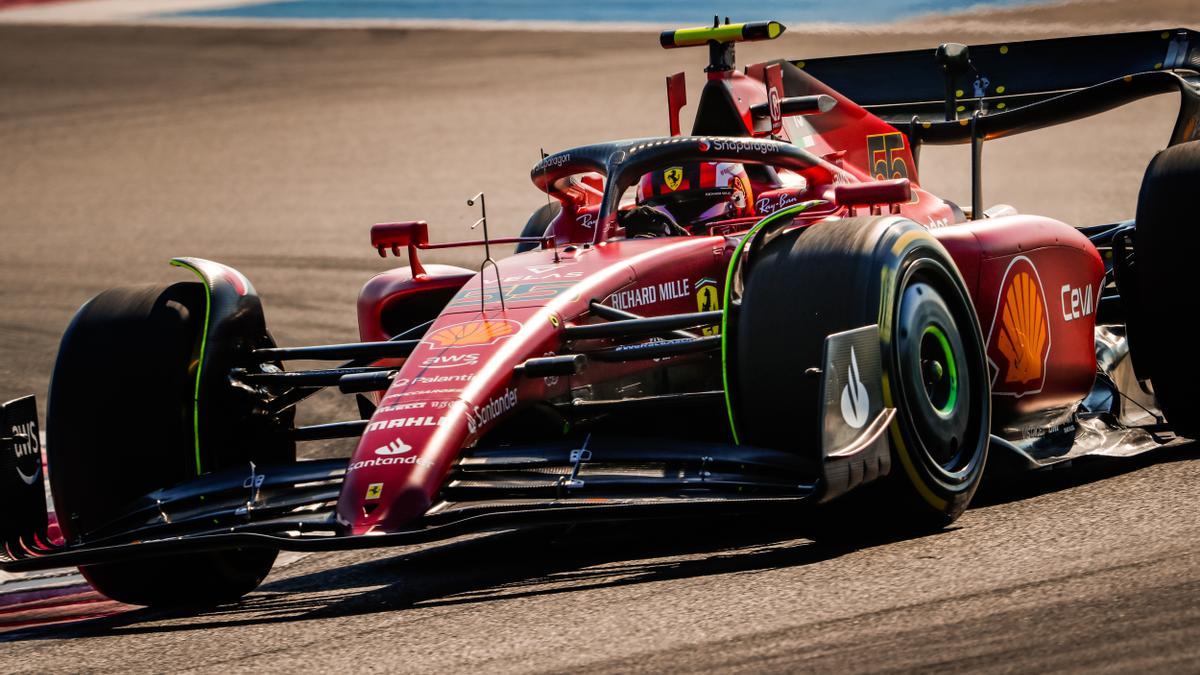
[(553, 161), (481, 416), (738, 146)]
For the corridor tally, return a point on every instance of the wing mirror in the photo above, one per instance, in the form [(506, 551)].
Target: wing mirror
[(411, 233)]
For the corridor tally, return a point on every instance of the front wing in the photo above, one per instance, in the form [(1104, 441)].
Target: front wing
[(570, 480)]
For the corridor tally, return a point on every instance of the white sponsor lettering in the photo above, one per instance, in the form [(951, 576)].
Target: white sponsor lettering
[(634, 297), (768, 205), (549, 276), (648, 295), (669, 290), (450, 360), (424, 392), (542, 269), (553, 161), (387, 461), (432, 379), (415, 405), (403, 422), (481, 416), (739, 146), (1076, 302)]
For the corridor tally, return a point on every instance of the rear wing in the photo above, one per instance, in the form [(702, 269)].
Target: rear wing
[(956, 94)]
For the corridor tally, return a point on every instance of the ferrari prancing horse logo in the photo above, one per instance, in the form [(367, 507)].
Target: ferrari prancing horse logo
[(708, 299), (673, 177)]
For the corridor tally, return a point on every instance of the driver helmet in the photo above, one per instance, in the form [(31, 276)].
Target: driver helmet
[(698, 193)]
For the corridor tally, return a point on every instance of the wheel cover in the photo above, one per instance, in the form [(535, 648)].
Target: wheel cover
[(936, 379), (941, 370)]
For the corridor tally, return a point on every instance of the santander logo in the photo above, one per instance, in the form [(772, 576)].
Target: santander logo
[(396, 447)]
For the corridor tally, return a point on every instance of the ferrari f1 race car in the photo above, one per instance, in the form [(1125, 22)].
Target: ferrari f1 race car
[(765, 314)]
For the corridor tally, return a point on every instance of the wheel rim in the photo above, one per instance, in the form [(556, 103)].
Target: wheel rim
[(935, 375)]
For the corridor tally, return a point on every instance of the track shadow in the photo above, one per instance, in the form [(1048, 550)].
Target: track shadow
[(515, 564), (548, 561)]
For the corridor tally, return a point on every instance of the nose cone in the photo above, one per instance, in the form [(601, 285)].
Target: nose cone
[(381, 515), (399, 465)]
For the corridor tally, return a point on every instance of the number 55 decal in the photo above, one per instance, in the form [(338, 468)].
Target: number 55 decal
[(886, 155)]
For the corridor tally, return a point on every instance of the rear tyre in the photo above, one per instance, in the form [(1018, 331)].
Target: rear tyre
[(119, 425), (537, 224), (1165, 243), (843, 274)]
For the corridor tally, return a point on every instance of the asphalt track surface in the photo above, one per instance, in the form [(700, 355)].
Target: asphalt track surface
[(276, 150)]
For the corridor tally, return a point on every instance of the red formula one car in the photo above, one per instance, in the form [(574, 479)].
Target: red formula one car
[(766, 313)]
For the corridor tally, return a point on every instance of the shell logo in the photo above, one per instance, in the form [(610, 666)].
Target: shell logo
[(1019, 341), (472, 333)]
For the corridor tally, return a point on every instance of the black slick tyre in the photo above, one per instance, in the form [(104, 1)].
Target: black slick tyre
[(119, 426), (1165, 241), (537, 224), (839, 275)]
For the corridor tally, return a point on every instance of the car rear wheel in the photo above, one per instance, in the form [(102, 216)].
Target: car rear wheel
[(119, 426), (1165, 243), (838, 275), (537, 224)]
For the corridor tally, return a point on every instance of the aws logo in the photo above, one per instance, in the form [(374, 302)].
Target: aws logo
[(1019, 341)]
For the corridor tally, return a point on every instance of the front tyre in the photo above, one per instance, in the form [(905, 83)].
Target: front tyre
[(119, 425), (839, 275)]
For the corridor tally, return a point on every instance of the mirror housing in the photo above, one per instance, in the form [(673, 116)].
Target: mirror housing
[(413, 234)]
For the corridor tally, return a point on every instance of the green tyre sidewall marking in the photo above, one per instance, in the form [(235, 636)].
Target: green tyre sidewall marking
[(200, 361), (725, 301)]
